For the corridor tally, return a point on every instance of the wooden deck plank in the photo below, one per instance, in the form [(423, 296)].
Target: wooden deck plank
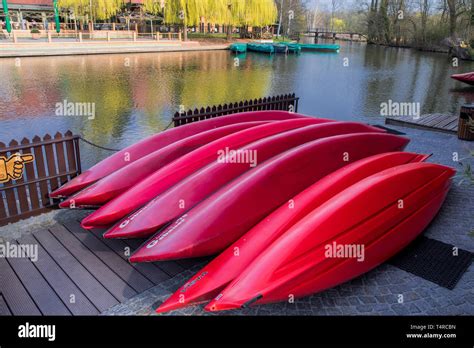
[(453, 125), (90, 286), (42, 293), (440, 121), (18, 299), (188, 263), (436, 122), (169, 267), (111, 281), (122, 268), (60, 281), (149, 270), (4, 310), (426, 120), (444, 124)]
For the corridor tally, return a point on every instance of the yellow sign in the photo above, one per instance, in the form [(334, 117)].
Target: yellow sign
[(13, 167)]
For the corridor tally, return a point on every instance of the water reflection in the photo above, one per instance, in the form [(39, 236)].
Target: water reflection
[(135, 95)]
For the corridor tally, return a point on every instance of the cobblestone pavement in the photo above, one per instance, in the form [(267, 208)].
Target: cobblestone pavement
[(378, 292)]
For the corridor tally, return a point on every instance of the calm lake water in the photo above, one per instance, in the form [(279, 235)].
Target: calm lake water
[(135, 95)]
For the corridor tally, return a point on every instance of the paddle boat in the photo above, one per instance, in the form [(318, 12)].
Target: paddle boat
[(280, 48), (293, 47), (320, 47), (238, 47), (261, 47)]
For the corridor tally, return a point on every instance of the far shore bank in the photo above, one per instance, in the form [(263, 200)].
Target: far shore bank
[(431, 49), (63, 48)]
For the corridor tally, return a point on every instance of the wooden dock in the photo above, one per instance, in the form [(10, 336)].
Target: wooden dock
[(77, 273), (435, 122)]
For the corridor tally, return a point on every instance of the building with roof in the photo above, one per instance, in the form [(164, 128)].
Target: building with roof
[(41, 11)]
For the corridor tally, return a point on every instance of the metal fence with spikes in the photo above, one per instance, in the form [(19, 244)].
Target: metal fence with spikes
[(285, 102), (33, 169)]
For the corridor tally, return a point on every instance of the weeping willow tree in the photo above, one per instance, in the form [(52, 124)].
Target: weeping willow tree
[(226, 12), (187, 13), (182, 12), (231, 13), (259, 13), (153, 6), (93, 9), (243, 13)]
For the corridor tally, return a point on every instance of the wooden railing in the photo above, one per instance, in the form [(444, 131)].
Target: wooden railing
[(122, 36), (287, 102), (54, 162)]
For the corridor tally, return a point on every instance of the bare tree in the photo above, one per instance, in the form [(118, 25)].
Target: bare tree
[(372, 21), (335, 6), (280, 18), (424, 8), (455, 9), (471, 38)]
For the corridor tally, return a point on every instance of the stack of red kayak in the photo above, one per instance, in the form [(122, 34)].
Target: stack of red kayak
[(292, 205)]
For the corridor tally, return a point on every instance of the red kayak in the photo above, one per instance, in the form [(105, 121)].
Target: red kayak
[(156, 142), (118, 182), (466, 78), (171, 174), (210, 280), (189, 192), (226, 215), (347, 236)]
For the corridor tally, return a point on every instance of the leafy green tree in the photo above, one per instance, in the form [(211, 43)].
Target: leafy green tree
[(188, 13), (93, 9), (226, 12)]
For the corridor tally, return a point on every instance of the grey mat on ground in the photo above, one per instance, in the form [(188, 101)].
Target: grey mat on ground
[(434, 261)]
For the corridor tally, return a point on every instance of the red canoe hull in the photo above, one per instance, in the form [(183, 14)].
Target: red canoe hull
[(466, 78), (381, 214), (171, 174), (118, 182), (222, 218), (203, 183), (207, 283), (155, 142)]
